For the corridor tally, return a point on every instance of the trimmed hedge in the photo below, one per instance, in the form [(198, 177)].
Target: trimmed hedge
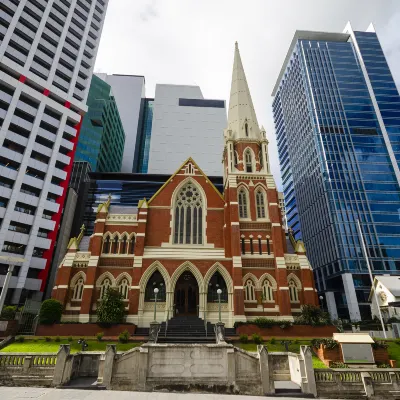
[(50, 312)]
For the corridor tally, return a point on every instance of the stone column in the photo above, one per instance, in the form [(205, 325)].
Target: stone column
[(351, 297), (153, 332), (266, 383), (110, 353), (142, 370), (368, 385), (220, 333), (308, 387), (62, 355), (331, 303)]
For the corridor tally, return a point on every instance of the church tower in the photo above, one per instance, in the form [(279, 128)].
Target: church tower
[(253, 220)]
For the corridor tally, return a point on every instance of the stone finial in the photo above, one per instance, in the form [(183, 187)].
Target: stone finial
[(103, 207), (74, 242)]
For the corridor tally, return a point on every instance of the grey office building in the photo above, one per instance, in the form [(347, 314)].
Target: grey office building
[(337, 119)]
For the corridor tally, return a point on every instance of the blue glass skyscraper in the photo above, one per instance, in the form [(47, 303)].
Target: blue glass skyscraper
[(337, 119)]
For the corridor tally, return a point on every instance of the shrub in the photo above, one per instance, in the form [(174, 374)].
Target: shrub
[(20, 339), (328, 343), (47, 339), (257, 339), (397, 341), (379, 344), (99, 336), (8, 313), (383, 365), (57, 339), (285, 324), (111, 309), (272, 341), (124, 336), (243, 338), (50, 312), (297, 341), (337, 364), (70, 339), (313, 315)]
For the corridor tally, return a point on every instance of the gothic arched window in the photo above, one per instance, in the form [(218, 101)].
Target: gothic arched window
[(243, 203), (106, 245), (132, 244), (123, 245), (248, 160), (246, 128), (260, 204), (78, 290), (249, 291), (268, 294), (123, 288), (293, 291), (188, 225), (156, 281), (105, 285), (217, 282)]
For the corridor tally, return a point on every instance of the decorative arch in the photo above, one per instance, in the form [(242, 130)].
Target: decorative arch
[(125, 275), (249, 160), (189, 211), (261, 202), (224, 273), (107, 240), (270, 278), (149, 272), (103, 276), (251, 276), (296, 279), (188, 266), (243, 202), (123, 243), (76, 277)]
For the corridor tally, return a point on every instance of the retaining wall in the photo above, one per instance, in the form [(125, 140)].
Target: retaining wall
[(296, 331), (83, 329)]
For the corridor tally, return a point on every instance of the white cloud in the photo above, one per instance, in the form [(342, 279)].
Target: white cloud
[(192, 42)]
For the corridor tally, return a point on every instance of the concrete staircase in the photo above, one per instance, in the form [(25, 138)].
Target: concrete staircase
[(188, 329)]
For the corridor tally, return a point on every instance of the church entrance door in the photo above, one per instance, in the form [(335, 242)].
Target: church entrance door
[(186, 295)]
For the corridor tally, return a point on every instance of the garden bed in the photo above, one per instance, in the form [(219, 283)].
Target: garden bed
[(83, 329), (294, 331)]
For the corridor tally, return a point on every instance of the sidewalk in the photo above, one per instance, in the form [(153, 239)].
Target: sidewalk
[(18, 393)]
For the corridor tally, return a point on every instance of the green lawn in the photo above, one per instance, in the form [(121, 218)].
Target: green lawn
[(394, 351), (294, 348), (41, 346)]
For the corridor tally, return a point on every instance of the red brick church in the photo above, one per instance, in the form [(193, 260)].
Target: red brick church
[(189, 240)]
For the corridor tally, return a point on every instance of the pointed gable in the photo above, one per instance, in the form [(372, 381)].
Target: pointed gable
[(241, 109), (188, 169)]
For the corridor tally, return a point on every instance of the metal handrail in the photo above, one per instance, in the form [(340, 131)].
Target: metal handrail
[(166, 324), (205, 321)]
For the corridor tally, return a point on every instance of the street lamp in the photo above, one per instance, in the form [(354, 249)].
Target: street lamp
[(322, 302), (219, 291), (155, 304)]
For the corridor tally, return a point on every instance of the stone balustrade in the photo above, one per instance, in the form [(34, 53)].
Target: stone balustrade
[(351, 383)]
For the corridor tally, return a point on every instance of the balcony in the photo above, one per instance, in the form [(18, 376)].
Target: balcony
[(59, 174), (42, 149), (42, 243), (31, 181), (55, 189), (8, 173), (50, 206), (39, 165), (70, 130), (11, 154), (48, 45), (39, 263), (27, 108), (47, 224), (63, 159)]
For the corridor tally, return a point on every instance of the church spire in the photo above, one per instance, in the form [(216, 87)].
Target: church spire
[(242, 120)]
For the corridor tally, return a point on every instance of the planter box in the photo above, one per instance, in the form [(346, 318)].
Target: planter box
[(83, 329), (335, 355), (293, 331)]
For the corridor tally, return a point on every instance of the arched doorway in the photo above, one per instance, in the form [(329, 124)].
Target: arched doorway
[(186, 298)]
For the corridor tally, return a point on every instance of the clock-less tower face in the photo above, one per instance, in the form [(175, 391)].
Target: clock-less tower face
[(383, 296)]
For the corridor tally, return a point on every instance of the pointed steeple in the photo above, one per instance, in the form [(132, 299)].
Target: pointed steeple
[(242, 120)]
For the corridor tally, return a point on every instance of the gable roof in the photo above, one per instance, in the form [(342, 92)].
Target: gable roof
[(190, 159), (392, 283)]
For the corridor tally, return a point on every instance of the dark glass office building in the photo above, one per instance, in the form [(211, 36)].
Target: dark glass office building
[(337, 119), (125, 189), (102, 138)]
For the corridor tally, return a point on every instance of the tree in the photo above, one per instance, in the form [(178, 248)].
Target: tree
[(112, 308), (313, 315), (50, 312)]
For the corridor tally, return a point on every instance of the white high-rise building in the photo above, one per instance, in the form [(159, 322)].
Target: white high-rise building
[(47, 54)]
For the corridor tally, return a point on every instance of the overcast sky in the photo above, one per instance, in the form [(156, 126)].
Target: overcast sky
[(192, 42)]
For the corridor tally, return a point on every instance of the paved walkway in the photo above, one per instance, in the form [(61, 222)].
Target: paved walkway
[(14, 393)]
